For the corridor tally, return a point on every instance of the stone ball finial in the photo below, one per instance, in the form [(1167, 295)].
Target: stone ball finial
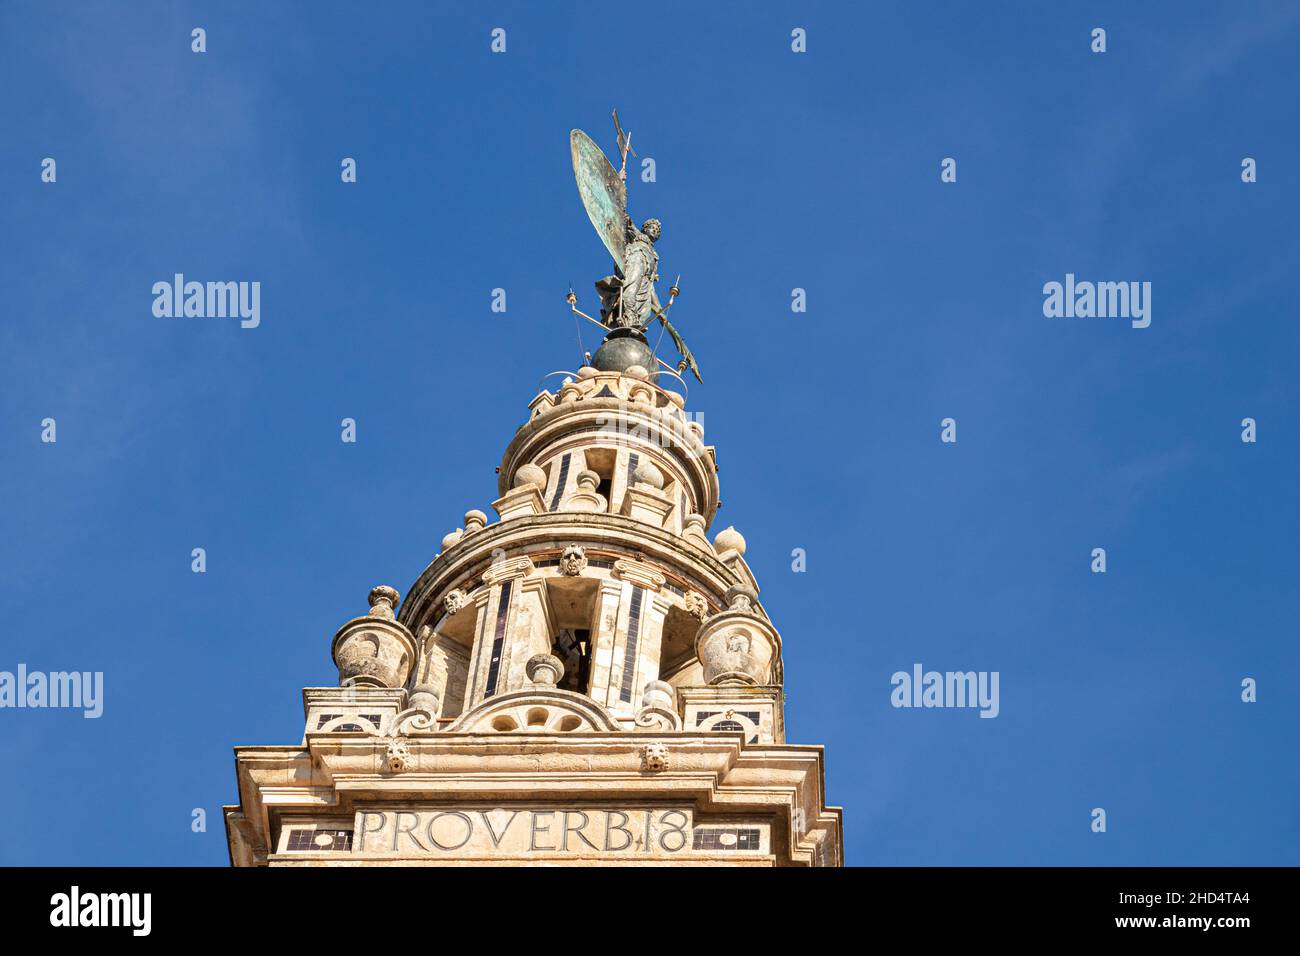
[(452, 538), (729, 539), (530, 474), (544, 669), (647, 472), (637, 371), (382, 601), (475, 521), (588, 479)]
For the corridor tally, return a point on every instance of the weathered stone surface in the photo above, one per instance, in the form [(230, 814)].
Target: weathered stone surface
[(593, 681)]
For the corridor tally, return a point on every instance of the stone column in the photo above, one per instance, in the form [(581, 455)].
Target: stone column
[(628, 640), (514, 623)]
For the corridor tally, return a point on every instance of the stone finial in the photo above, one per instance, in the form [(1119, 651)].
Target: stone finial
[(637, 371), (741, 598), (648, 473), (729, 539), (544, 670), (693, 527), (382, 601), (530, 474), (475, 521), (573, 561), (585, 497), (452, 538)]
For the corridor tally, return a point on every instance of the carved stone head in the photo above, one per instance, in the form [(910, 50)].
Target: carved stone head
[(454, 601), (397, 757), (696, 605), (573, 561), (654, 757)]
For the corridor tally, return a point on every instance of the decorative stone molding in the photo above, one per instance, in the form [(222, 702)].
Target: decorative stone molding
[(645, 503), (639, 573), (640, 395), (375, 650), (658, 708), (573, 561), (425, 697), (523, 501), (737, 647), (566, 422), (414, 721), (654, 758), (544, 670), (355, 708), (535, 710), (752, 709), (507, 570)]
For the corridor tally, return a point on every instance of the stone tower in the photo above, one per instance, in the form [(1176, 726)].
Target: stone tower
[(585, 680)]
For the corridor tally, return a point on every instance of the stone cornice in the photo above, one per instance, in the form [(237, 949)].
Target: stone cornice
[(717, 772)]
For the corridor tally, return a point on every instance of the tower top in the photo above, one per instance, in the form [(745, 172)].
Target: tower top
[(588, 679)]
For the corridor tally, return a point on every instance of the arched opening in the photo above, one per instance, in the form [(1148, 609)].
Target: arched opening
[(573, 647)]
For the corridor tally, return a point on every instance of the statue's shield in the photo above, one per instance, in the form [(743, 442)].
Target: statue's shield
[(604, 195)]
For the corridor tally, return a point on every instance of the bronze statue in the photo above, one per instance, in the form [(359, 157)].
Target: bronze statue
[(626, 300), (629, 302)]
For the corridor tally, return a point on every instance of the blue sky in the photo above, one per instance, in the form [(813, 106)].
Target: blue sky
[(775, 170)]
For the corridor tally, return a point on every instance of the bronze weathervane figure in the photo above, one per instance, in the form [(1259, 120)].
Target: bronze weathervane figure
[(629, 303)]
